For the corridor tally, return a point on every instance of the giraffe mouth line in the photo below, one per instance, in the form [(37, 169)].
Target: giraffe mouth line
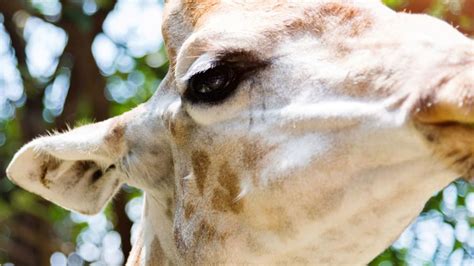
[(452, 123), (463, 159), (453, 143)]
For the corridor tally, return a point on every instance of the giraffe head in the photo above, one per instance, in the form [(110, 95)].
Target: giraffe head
[(291, 132)]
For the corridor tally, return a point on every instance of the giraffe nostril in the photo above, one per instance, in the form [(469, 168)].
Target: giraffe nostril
[(97, 175), (112, 167)]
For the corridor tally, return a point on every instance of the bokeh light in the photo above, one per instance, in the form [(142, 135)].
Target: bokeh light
[(45, 43), (136, 25), (11, 86)]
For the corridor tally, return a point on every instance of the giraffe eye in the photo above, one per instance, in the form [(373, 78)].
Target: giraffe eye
[(213, 85)]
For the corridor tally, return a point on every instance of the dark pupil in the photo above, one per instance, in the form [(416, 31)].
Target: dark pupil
[(212, 86), (213, 80)]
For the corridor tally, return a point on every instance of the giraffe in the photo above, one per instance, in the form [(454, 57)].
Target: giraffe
[(285, 132)]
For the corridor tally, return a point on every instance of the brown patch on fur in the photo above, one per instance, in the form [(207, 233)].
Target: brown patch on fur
[(173, 129), (180, 131), (309, 22), (115, 137), (189, 211), (224, 200), (220, 201), (53, 164), (42, 176), (253, 153), (196, 9), (347, 15), (200, 161), (344, 12), (79, 169), (279, 222), (325, 202), (228, 180), (360, 27), (204, 233), (342, 49), (116, 133), (50, 164), (157, 255), (326, 17)]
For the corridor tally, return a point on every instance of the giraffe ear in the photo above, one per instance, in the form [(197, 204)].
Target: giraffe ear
[(75, 169)]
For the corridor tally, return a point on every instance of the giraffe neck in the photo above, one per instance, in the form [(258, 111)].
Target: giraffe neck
[(154, 244)]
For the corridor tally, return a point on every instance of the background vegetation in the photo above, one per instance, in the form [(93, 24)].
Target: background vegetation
[(75, 61)]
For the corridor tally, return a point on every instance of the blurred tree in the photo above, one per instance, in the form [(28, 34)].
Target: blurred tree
[(86, 100), (74, 61), (30, 239)]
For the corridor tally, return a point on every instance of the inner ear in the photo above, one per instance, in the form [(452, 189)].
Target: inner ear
[(54, 168), (81, 185)]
